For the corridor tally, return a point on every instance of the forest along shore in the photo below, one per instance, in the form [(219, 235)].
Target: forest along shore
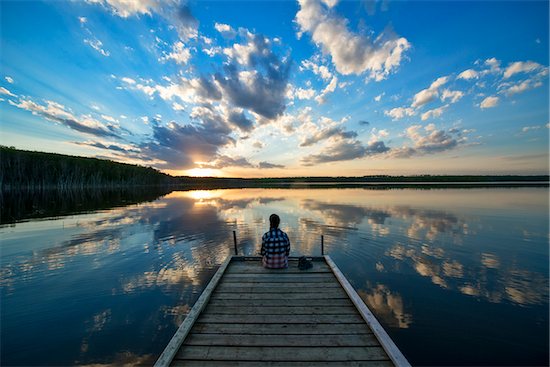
[(29, 170)]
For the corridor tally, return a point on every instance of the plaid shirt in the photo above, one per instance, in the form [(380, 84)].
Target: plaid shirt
[(275, 249)]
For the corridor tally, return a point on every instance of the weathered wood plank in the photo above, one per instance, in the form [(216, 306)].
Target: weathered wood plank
[(329, 294), (280, 279), (272, 285), (280, 302), (292, 268), (389, 346), (278, 319), (282, 329), (202, 363), (247, 340), (278, 310), (176, 341), (246, 270), (290, 258), (266, 289), (282, 353), (295, 277)]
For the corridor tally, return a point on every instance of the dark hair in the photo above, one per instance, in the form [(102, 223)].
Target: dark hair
[(274, 221)]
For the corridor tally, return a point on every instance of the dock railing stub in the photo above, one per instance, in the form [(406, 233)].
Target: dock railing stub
[(387, 343), (175, 343)]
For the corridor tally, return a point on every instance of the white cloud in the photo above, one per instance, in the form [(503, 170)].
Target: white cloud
[(320, 70), (109, 118), (379, 97), (521, 87), (331, 87), (521, 67), (427, 95), (180, 54), (126, 8), (97, 45), (177, 107), (468, 74), (301, 93), (400, 112), (351, 53), (9, 80), (6, 92), (436, 112), (82, 20), (128, 80), (58, 113), (453, 95), (225, 30), (489, 102)]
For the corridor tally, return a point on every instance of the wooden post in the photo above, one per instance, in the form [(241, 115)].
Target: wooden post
[(322, 245), (235, 241)]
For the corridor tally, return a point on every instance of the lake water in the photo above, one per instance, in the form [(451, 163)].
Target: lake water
[(456, 276)]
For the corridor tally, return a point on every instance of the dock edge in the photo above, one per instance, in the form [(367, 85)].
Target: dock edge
[(387, 343)]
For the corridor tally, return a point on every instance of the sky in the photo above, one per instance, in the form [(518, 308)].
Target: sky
[(280, 88)]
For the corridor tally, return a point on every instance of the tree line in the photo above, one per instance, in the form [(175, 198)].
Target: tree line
[(21, 169)]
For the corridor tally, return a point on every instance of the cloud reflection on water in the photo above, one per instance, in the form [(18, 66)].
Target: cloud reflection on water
[(162, 254)]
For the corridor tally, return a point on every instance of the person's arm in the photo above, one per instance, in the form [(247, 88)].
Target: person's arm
[(262, 251)]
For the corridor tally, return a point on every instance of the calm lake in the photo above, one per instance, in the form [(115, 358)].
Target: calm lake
[(456, 276)]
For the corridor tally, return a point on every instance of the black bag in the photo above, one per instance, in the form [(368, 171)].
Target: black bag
[(304, 263)]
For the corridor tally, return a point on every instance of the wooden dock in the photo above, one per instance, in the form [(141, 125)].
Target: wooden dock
[(249, 316)]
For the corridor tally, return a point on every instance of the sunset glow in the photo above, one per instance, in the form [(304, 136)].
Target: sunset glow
[(285, 88)]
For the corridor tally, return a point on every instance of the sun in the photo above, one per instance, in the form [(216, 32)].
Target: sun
[(202, 172)]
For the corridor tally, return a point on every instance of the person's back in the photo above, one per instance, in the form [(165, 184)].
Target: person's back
[(275, 245)]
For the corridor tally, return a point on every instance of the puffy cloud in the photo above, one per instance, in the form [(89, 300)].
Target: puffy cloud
[(427, 95), (400, 112), (351, 53), (428, 140), (330, 132), (56, 112), (521, 87), (331, 87), (180, 54), (9, 79), (223, 161), (344, 150), (180, 146), (225, 30), (521, 67), (261, 86), (436, 112), (378, 98), (468, 74), (453, 95), (320, 70), (125, 8), (489, 102), (175, 11), (239, 119)]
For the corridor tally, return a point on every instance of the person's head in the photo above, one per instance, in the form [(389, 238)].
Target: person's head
[(274, 221)]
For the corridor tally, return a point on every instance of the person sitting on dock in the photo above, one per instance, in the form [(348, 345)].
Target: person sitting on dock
[(275, 245)]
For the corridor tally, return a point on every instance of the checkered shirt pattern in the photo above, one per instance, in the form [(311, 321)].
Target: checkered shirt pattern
[(275, 249)]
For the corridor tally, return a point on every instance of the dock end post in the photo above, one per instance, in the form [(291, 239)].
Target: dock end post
[(235, 241)]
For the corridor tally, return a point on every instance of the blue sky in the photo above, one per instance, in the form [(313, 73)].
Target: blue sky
[(280, 88)]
